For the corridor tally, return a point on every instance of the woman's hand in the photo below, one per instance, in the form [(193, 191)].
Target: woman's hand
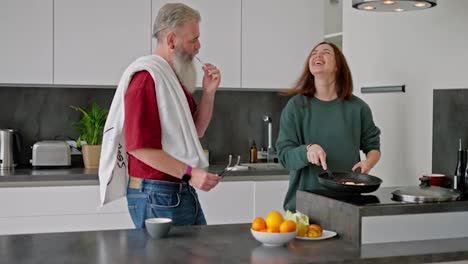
[(316, 155), (363, 165), (373, 157)]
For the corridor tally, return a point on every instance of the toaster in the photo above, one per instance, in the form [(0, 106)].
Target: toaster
[(51, 153)]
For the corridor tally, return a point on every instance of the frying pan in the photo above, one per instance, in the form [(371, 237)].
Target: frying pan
[(336, 182)]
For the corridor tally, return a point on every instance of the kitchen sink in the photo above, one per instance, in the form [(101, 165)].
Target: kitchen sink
[(264, 166)]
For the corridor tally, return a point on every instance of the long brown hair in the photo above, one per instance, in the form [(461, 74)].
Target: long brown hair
[(305, 85)]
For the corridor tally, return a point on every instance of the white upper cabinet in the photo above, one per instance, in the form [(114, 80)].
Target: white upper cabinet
[(26, 41), (277, 36), (220, 36), (255, 43), (94, 41)]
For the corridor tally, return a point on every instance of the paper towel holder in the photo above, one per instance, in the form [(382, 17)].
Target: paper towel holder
[(384, 89)]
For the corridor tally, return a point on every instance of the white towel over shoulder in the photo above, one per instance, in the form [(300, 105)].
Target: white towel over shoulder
[(179, 136)]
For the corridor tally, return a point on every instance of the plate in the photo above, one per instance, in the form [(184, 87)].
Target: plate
[(326, 234)]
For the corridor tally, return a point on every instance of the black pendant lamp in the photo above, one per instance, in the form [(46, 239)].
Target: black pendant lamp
[(393, 5)]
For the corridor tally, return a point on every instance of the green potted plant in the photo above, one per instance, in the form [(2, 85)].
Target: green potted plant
[(90, 128)]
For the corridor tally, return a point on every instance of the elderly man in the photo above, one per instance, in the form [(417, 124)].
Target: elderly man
[(155, 120)]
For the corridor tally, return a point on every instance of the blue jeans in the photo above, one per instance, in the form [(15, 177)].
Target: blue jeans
[(152, 198)]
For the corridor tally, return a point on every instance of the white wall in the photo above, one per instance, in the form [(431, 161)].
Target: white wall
[(424, 50)]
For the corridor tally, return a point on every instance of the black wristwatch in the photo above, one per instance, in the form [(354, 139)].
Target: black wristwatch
[(188, 174)]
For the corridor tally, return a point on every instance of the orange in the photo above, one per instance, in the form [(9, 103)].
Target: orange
[(274, 219), (287, 226), (273, 230), (314, 231), (258, 224)]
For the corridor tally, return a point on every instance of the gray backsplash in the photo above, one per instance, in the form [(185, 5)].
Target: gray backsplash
[(40, 113), (450, 123), (238, 120)]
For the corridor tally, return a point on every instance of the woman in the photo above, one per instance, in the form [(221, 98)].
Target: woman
[(324, 125)]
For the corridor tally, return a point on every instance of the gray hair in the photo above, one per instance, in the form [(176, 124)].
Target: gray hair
[(173, 16)]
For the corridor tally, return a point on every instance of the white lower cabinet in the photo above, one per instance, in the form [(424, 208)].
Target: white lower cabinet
[(240, 202), (269, 196), (32, 210), (228, 203), (59, 209)]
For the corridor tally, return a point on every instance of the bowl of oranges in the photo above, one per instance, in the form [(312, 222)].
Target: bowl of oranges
[(274, 230)]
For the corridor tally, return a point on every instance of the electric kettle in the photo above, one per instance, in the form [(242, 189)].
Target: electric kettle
[(10, 147)]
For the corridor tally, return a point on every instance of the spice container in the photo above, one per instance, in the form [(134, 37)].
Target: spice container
[(253, 153)]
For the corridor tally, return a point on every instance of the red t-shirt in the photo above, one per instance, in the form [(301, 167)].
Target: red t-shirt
[(143, 126)]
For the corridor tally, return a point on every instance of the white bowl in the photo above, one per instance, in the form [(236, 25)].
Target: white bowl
[(273, 239)]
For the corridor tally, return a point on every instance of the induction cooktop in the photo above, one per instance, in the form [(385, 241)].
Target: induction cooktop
[(383, 196)]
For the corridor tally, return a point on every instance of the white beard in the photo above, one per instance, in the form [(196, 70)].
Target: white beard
[(185, 70)]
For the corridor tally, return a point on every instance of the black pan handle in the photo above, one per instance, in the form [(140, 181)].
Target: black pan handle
[(330, 174)]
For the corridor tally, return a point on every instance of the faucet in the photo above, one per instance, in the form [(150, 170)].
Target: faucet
[(268, 120), (270, 150)]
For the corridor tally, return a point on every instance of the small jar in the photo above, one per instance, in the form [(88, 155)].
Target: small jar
[(253, 153)]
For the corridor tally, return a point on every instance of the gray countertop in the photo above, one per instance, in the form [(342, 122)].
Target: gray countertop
[(214, 244), (80, 176)]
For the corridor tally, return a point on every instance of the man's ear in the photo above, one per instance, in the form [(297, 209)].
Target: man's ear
[(170, 39)]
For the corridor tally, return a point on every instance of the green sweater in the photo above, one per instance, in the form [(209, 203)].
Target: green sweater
[(341, 127)]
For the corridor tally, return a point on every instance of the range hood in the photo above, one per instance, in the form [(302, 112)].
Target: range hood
[(393, 5)]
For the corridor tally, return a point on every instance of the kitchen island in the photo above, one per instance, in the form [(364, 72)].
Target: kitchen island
[(214, 244), (377, 218)]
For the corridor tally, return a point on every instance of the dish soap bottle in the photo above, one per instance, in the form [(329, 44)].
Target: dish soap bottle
[(253, 153)]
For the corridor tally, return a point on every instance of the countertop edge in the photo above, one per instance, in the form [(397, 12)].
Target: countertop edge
[(81, 177), (235, 241)]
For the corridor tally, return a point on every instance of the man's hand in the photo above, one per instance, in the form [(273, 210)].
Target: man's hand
[(203, 180), (316, 155), (363, 165), (211, 78)]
